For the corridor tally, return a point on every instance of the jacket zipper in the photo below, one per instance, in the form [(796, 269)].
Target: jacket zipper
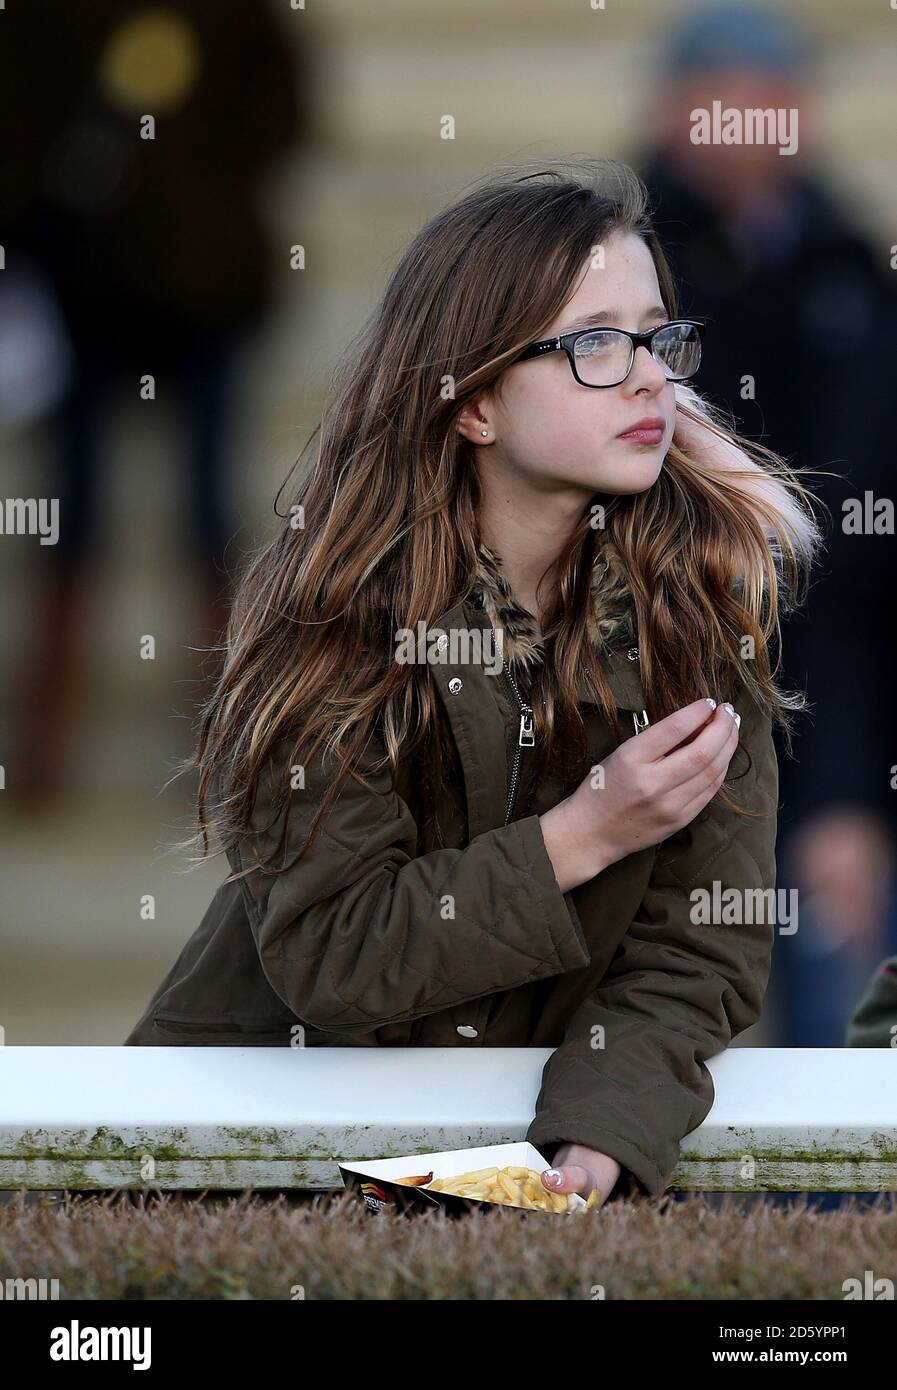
[(526, 739)]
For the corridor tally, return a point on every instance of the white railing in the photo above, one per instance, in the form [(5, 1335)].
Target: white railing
[(784, 1119)]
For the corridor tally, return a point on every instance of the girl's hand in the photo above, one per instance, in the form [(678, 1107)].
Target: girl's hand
[(658, 781), (654, 783), (580, 1169)]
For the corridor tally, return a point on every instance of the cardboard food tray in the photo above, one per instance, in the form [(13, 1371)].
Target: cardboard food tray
[(374, 1179)]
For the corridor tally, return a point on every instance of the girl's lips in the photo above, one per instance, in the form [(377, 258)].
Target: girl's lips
[(642, 436)]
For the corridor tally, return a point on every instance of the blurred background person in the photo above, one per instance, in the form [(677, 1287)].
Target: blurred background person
[(132, 257), (801, 319)]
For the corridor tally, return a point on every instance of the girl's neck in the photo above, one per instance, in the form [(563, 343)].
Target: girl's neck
[(523, 562), (527, 527)]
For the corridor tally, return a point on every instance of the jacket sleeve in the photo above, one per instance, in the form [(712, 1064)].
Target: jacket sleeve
[(629, 1078), (874, 1021), (363, 931)]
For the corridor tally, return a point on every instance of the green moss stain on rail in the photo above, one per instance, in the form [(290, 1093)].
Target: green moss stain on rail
[(237, 1144), (103, 1157), (883, 1145), (100, 1158), (788, 1169)]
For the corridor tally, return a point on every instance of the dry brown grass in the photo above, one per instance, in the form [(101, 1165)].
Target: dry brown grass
[(264, 1247)]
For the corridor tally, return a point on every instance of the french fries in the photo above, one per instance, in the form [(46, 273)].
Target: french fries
[(512, 1187), (416, 1182)]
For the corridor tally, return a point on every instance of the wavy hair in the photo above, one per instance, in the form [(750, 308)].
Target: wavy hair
[(388, 501)]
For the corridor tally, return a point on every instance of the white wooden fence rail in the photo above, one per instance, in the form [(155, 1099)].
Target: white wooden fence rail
[(784, 1119)]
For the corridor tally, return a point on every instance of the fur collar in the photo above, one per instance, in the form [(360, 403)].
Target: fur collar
[(612, 614)]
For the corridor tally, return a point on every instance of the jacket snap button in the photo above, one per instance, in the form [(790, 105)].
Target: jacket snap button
[(633, 654), (455, 684), (441, 643), (466, 1031)]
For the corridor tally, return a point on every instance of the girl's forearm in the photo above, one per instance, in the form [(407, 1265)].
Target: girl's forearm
[(575, 856)]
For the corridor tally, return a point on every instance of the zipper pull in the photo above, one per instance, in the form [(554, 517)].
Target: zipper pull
[(527, 737)]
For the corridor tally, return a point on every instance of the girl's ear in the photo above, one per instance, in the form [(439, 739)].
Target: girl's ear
[(474, 424)]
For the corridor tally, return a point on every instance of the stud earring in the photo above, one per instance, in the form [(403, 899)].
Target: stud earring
[(484, 431)]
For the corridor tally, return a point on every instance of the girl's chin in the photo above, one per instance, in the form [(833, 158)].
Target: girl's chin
[(640, 474)]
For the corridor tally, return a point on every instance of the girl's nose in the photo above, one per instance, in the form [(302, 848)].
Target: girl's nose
[(646, 370)]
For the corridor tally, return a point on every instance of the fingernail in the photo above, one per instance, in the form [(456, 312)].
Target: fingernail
[(711, 702), (729, 709), (737, 720), (554, 1176)]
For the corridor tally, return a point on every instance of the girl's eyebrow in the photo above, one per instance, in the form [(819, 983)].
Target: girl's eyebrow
[(610, 317)]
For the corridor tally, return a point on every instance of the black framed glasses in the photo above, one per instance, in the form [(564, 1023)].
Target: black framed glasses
[(604, 356)]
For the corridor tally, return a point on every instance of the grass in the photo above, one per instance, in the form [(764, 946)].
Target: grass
[(254, 1246)]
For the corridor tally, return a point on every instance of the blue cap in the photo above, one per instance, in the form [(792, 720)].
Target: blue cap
[(738, 36)]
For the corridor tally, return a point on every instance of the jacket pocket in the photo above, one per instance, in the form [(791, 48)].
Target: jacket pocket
[(260, 1029)]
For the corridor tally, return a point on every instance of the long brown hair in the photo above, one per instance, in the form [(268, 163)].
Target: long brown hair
[(388, 505)]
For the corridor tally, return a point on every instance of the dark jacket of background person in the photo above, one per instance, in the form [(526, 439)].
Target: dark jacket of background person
[(874, 1022), (810, 313), (135, 233)]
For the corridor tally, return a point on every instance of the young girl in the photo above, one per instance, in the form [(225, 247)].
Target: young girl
[(463, 755)]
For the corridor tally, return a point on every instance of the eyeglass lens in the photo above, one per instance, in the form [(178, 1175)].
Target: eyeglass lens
[(603, 356)]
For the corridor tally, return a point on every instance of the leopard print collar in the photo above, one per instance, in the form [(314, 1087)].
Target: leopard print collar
[(612, 616)]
